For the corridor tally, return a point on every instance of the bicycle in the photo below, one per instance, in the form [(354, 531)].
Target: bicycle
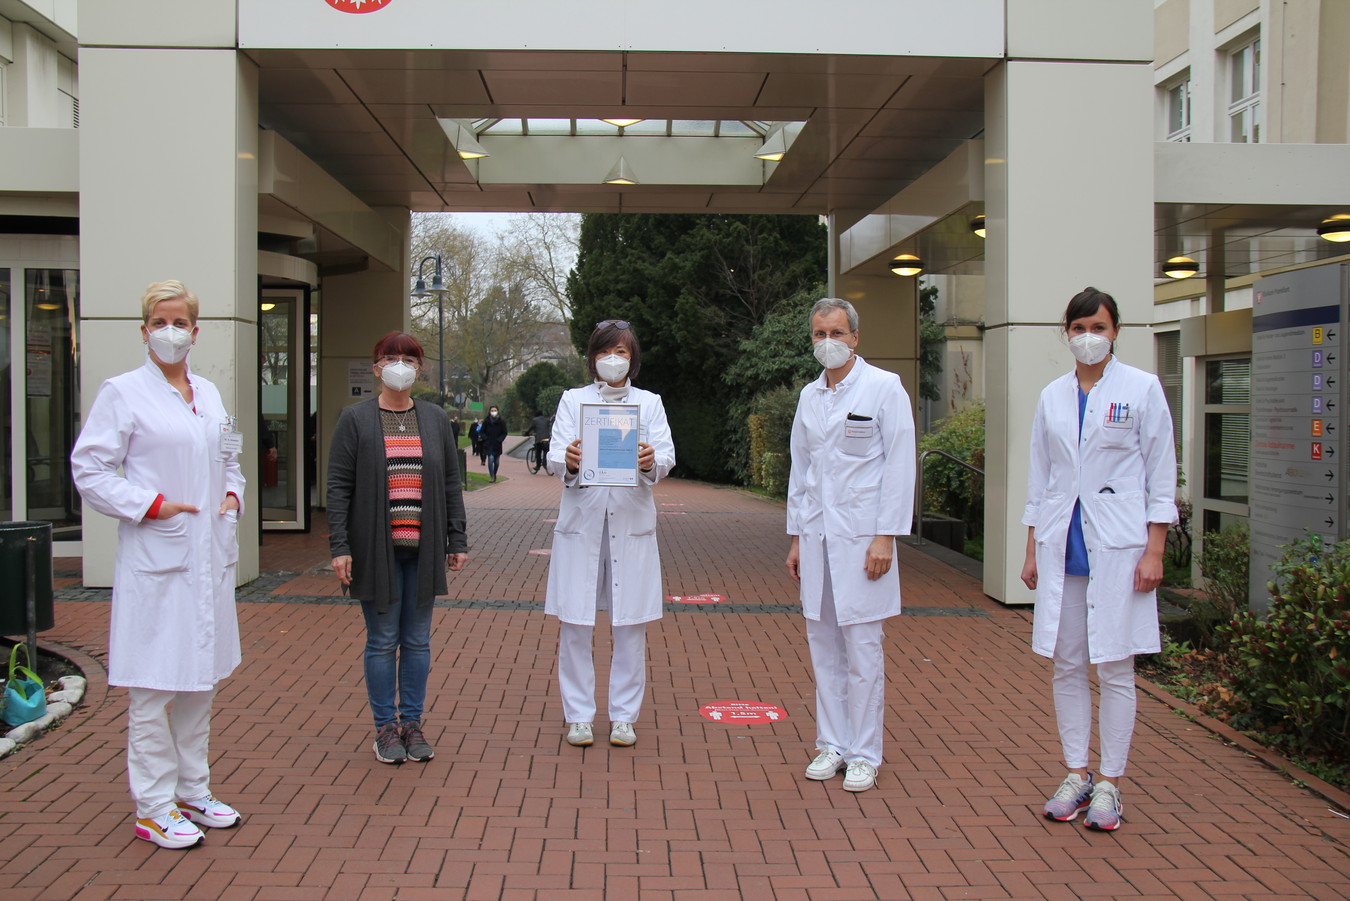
[(536, 457)]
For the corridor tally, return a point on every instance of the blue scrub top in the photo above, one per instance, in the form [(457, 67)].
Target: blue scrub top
[(1075, 552)]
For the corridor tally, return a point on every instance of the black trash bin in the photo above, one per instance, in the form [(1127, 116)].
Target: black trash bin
[(14, 538)]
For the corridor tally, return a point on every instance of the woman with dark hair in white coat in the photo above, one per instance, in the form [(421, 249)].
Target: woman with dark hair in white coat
[(1101, 495), (604, 554), (173, 631)]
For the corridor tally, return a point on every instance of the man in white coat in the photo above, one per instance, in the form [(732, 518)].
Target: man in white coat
[(850, 493)]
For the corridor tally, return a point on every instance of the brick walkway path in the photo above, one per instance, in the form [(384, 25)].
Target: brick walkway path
[(698, 809)]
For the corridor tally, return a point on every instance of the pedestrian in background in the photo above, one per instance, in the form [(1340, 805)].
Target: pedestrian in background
[(493, 432)]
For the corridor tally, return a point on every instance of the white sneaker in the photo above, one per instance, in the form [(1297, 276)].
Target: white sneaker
[(826, 764), (622, 735), (209, 811), (860, 777), (172, 830), (580, 734)]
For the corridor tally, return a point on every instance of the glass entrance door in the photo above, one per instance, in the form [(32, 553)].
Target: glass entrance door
[(283, 405)]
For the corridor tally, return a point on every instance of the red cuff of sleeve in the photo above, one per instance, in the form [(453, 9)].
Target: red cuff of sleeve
[(153, 512), (235, 496)]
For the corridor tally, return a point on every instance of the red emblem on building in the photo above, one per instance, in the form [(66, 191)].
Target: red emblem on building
[(359, 6)]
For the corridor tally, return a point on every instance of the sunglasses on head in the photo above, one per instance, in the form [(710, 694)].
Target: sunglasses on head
[(617, 323)]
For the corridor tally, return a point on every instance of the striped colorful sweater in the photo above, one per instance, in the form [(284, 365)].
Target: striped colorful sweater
[(403, 459)]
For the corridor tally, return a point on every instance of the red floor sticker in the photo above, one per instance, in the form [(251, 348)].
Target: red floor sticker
[(542, 551), (672, 512), (696, 598), (664, 504), (742, 712)]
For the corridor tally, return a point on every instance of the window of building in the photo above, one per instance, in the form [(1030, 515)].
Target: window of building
[(1227, 437), (1179, 111), (1244, 94), (6, 413), (52, 397), (1167, 346)]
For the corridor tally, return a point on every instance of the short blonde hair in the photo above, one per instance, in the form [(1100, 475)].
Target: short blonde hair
[(170, 290)]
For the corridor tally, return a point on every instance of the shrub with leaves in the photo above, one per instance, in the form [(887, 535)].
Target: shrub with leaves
[(771, 438), (1295, 669), (949, 489), (1224, 564)]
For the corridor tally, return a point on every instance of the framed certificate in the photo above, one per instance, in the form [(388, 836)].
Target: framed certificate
[(609, 444)]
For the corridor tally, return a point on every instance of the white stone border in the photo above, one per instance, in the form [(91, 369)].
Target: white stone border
[(59, 706)]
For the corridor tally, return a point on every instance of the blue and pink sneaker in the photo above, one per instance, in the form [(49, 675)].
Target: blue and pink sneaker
[(1071, 798)]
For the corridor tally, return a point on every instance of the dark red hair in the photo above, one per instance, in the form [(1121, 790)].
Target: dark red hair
[(397, 344)]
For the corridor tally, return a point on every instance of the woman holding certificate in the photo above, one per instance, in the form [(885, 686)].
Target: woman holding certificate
[(604, 544)]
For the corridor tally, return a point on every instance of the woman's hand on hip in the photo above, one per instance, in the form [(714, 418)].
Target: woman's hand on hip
[(455, 562), (342, 568), (231, 502), (170, 509)]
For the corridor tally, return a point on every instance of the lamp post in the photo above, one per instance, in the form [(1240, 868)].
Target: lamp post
[(437, 288)]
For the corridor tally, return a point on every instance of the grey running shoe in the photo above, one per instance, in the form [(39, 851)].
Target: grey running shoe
[(1106, 811), (414, 744), (580, 734), (1070, 799), (622, 735), (389, 745)]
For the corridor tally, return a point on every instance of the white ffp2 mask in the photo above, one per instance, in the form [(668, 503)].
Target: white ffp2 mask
[(398, 376), (1089, 348), (170, 343), (832, 353), (612, 368)]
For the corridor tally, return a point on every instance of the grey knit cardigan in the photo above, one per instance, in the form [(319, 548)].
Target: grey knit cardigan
[(358, 503)]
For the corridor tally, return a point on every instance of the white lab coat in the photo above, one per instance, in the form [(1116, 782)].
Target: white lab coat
[(173, 625), (635, 563), (851, 481), (1132, 454)]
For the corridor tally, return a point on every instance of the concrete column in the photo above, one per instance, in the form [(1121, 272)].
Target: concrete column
[(169, 190), (355, 311), (1069, 203), (888, 317)]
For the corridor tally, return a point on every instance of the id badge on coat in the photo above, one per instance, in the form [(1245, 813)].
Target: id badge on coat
[(231, 439)]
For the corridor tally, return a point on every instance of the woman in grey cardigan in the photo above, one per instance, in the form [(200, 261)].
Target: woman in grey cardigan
[(394, 513)]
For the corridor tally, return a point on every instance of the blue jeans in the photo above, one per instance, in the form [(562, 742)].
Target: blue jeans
[(492, 461), (403, 631)]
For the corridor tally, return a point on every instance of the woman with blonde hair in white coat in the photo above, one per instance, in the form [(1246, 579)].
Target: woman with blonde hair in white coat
[(1101, 496), (604, 553), (173, 632)]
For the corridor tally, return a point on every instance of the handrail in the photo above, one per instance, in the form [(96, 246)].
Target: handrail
[(918, 531)]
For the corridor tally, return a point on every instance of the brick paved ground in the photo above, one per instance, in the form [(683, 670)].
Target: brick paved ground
[(697, 810)]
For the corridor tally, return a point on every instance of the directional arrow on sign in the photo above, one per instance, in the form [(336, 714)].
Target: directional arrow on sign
[(1329, 451), (1331, 498), (1330, 475), (1331, 333), (1331, 358), (1331, 523)]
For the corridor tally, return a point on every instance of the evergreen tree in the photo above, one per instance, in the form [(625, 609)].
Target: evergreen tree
[(693, 288)]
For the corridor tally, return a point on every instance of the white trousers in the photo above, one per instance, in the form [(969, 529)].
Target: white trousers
[(167, 737), (850, 670), (1073, 697), (627, 672)]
